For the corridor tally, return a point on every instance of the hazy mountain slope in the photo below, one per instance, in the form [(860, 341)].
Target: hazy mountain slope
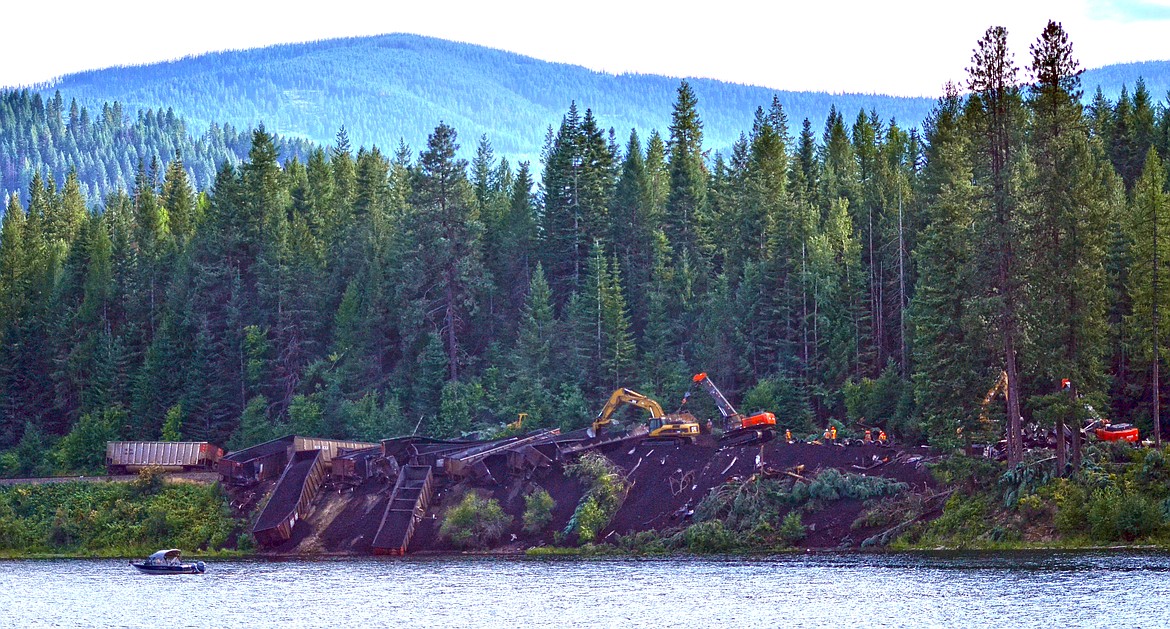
[(400, 86), (105, 145), (1111, 78)]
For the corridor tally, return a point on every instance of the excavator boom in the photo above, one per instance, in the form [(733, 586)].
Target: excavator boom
[(740, 430), (660, 422), (725, 408)]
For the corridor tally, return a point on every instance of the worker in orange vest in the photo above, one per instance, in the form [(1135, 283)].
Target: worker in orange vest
[(832, 434), (788, 435), (881, 437), (868, 436)]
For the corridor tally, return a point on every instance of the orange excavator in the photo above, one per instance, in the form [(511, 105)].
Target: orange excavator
[(1102, 428), (738, 429)]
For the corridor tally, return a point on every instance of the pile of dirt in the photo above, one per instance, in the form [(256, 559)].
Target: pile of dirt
[(510, 494), (667, 482)]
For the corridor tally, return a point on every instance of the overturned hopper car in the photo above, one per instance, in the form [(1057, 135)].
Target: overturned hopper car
[(260, 462), (354, 467), (290, 500), (172, 456)]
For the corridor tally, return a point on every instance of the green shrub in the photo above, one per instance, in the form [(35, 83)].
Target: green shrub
[(113, 519), (538, 508), (149, 481), (1072, 516), (708, 537), (792, 528), (83, 450), (957, 524), (1138, 517), (643, 542), (475, 522), (590, 518), (970, 471), (9, 464), (606, 491), (1031, 506)]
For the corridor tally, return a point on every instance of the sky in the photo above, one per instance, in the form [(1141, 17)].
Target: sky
[(900, 47)]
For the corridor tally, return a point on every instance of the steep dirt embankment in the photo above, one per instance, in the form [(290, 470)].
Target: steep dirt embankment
[(666, 483)]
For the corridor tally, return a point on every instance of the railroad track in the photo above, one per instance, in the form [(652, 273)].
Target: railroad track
[(191, 477)]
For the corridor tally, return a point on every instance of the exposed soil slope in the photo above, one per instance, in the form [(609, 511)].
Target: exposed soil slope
[(666, 483)]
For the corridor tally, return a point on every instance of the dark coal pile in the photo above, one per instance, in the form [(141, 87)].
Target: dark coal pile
[(667, 483)]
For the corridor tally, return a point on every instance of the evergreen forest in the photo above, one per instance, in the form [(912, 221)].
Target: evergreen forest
[(105, 151), (855, 271), (398, 86)]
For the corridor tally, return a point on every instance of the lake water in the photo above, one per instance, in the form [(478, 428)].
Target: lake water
[(1028, 589)]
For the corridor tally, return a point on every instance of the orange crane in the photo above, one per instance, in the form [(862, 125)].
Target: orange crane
[(738, 429), (1104, 429)]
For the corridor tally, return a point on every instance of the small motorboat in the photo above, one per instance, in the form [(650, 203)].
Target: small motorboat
[(168, 562)]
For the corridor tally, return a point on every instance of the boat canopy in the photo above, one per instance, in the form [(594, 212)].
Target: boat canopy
[(164, 556)]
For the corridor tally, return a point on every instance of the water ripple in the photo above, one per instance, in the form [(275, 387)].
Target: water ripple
[(1010, 590)]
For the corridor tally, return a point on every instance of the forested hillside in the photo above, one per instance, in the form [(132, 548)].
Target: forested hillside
[(1111, 78), (396, 87), (853, 271), (106, 149)]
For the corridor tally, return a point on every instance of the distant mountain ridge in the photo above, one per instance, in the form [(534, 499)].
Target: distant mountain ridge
[(391, 87)]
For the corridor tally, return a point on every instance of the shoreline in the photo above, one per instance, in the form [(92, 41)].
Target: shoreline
[(614, 553)]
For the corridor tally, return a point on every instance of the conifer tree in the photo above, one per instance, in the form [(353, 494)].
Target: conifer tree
[(178, 198), (687, 200), (948, 372), (1149, 226), (995, 109), (446, 232), (1066, 226)]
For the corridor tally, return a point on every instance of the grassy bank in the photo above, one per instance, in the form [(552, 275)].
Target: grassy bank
[(1119, 498), (115, 519)]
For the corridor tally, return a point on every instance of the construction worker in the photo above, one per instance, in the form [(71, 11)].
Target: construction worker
[(825, 437), (881, 437), (788, 435), (868, 436), (832, 434)]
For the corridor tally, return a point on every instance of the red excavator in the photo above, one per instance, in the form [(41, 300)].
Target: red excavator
[(1101, 427), (738, 429)]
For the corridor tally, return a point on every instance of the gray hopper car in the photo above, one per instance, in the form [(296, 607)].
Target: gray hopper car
[(176, 456)]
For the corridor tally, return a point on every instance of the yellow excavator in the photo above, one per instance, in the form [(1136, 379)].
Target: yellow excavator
[(663, 426)]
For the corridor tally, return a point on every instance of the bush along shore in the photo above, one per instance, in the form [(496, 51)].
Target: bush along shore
[(1120, 497), (116, 519)]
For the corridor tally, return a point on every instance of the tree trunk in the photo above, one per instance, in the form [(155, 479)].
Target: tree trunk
[(449, 320), (1015, 443), (1157, 402), (1061, 450)]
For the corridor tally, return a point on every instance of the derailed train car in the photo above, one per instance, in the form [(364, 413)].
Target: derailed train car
[(171, 456), (290, 500), (260, 462), (268, 459)]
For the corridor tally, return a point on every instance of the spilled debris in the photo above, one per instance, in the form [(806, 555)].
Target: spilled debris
[(391, 498)]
